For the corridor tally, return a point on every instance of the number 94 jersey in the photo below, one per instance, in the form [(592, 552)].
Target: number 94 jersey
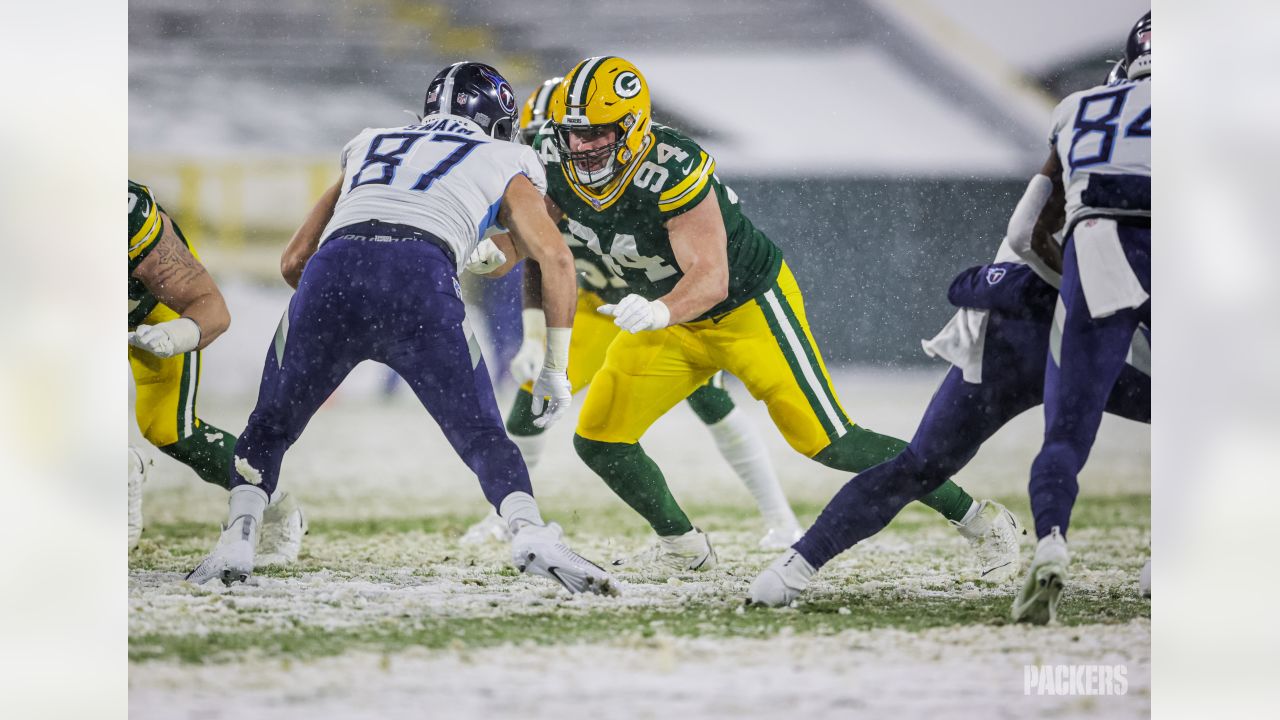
[(442, 175), (626, 227), (1103, 138)]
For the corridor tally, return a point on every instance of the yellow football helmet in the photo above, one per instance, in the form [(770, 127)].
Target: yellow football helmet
[(534, 113), (601, 95)]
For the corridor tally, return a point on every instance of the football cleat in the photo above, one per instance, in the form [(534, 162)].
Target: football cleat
[(137, 476), (540, 550), (491, 529), (678, 553), (232, 558), (1037, 602), (283, 526), (993, 534), (781, 582), (781, 536)]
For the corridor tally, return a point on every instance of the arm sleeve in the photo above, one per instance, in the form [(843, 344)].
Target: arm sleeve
[(532, 168), (1009, 288)]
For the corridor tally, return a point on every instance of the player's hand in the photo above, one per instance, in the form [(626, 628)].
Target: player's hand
[(552, 384), (528, 360), (635, 314), (167, 339), (486, 258)]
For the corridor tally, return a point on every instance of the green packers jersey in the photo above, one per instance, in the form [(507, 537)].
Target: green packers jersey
[(145, 228), (626, 229), (593, 274)]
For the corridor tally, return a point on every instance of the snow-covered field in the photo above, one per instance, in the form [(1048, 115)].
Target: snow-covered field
[(386, 615)]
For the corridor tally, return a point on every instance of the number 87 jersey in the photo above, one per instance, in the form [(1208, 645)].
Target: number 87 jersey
[(443, 175), (1103, 139)]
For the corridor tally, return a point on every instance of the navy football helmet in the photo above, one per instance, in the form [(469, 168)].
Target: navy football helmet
[(476, 91), (1137, 49)]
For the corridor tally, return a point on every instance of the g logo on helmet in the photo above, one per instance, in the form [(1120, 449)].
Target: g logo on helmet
[(627, 84)]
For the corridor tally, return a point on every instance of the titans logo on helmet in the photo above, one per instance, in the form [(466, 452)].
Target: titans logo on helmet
[(506, 96)]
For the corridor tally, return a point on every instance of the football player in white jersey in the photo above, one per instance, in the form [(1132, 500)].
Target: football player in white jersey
[(375, 266), (1097, 181)]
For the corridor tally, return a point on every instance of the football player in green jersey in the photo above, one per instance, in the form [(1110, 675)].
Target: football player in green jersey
[(706, 291), (733, 433), (175, 311)]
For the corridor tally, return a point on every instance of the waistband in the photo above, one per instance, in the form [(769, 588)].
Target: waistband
[(378, 231)]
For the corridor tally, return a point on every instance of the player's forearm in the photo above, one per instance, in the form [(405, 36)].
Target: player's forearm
[(209, 312), (531, 288), (703, 287), (304, 242), (558, 288)]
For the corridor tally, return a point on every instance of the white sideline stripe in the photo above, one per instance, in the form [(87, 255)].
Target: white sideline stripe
[(803, 360), (188, 412)]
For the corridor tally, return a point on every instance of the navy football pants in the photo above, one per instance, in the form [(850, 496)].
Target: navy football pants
[(1091, 359), (396, 303), (960, 418)]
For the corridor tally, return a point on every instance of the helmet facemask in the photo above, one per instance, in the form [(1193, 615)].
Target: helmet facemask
[(596, 166)]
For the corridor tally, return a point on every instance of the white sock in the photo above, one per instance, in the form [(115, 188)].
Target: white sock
[(973, 513), (248, 500), (519, 508), (530, 448), (742, 447)]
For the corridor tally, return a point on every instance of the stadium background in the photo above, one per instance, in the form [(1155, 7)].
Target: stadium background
[(881, 144)]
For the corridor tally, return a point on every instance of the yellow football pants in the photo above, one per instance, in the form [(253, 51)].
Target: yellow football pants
[(765, 342), (166, 398)]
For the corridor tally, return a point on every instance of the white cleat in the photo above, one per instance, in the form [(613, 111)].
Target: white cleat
[(491, 529), (232, 558), (690, 551), (540, 550), (993, 534), (283, 526), (782, 582), (781, 536), (1037, 602), (1144, 580), (137, 476)]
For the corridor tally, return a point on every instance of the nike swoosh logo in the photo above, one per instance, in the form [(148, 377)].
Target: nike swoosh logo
[(555, 572), (988, 572)]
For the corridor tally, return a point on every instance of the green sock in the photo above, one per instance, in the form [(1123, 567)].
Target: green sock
[(710, 403), (520, 418), (635, 478), (860, 449), (208, 451)]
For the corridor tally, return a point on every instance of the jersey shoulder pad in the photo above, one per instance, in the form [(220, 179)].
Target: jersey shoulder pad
[(688, 169), (1064, 114), (145, 225)]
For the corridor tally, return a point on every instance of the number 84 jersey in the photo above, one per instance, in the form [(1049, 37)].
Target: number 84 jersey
[(1103, 138), (626, 227), (442, 175)]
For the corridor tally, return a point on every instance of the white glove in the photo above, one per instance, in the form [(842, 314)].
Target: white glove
[(167, 339), (486, 258), (533, 349), (555, 385), (635, 314)]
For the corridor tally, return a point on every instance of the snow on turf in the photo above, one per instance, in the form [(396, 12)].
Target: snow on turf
[(364, 458)]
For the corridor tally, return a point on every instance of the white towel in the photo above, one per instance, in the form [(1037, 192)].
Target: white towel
[(961, 342), (1108, 281)]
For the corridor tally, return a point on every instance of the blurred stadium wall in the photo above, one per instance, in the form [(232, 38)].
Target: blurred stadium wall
[(881, 144)]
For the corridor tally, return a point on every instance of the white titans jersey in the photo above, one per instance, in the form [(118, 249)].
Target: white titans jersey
[(1103, 138), (442, 175)]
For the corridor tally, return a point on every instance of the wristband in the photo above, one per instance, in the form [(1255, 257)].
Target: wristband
[(557, 349)]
